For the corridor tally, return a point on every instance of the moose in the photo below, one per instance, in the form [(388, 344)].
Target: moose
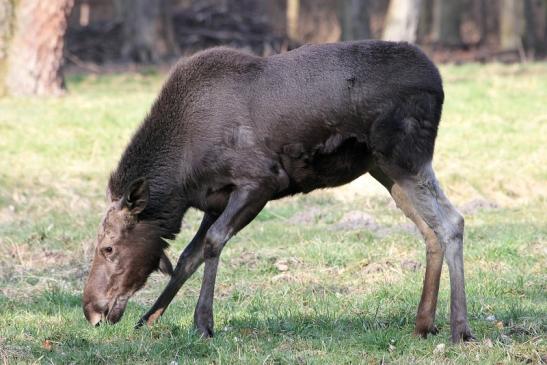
[(231, 131)]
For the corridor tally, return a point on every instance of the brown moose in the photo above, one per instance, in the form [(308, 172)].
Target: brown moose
[(230, 131)]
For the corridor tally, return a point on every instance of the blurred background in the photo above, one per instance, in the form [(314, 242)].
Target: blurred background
[(37, 37)]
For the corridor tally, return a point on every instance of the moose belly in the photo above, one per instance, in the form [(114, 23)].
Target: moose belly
[(324, 167)]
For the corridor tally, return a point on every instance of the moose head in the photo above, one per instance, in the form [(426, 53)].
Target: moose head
[(128, 250)]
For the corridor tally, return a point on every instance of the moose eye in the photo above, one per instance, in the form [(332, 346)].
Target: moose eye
[(107, 250)]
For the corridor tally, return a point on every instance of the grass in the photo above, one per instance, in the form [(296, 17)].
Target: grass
[(293, 287)]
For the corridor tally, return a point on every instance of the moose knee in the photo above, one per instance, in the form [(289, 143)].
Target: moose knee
[(433, 247), (214, 242), (454, 238), (457, 226), (452, 228)]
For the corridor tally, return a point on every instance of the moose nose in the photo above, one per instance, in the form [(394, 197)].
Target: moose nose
[(92, 315), (97, 311)]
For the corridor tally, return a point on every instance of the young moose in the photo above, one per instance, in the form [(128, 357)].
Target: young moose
[(230, 131)]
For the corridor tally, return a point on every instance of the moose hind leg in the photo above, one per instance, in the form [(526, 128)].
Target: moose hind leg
[(429, 200), (425, 318)]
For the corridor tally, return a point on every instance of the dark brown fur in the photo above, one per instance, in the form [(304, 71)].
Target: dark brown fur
[(230, 131)]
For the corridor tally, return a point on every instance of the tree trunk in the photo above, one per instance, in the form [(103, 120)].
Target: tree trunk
[(482, 21), (425, 22), (531, 40), (293, 14), (511, 25), (544, 47), (354, 19), (402, 20), (6, 26), (36, 50), (148, 30), (447, 18)]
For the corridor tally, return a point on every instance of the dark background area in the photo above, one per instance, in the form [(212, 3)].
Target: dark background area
[(96, 35), (40, 37)]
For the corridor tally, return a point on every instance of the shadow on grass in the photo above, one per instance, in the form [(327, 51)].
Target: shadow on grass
[(56, 316)]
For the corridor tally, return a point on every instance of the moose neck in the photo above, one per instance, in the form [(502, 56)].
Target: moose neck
[(152, 154)]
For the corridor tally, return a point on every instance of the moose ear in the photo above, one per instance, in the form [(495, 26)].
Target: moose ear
[(165, 265), (136, 196)]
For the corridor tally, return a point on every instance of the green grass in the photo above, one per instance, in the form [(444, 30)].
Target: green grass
[(348, 296)]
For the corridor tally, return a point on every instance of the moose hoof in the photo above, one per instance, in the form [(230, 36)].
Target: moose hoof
[(204, 324), (205, 330), (140, 323), (149, 318), (424, 331), (462, 333), (425, 326)]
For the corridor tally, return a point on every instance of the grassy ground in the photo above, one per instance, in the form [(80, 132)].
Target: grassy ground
[(304, 283)]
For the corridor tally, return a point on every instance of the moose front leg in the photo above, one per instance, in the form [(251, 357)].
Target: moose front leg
[(190, 259), (243, 206)]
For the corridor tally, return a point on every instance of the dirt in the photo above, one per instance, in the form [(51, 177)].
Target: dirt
[(377, 267), (325, 289), (357, 220), (410, 265), (308, 216), (26, 256), (409, 227), (298, 278), (477, 205), (246, 258), (385, 231), (7, 215), (284, 264)]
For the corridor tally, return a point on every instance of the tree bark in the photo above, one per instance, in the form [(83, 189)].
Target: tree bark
[(544, 47), (6, 30), (148, 31), (402, 20), (293, 14), (512, 25), (482, 20), (6, 24), (425, 22), (447, 18), (531, 40), (354, 19), (35, 53)]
